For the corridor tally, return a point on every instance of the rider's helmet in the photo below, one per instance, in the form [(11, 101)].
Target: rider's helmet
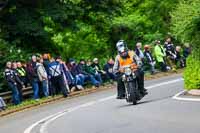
[(122, 48)]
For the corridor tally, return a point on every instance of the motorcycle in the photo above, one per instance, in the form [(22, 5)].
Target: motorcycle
[(132, 93)]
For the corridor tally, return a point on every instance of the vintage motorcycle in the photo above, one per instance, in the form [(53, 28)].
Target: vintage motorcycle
[(132, 93)]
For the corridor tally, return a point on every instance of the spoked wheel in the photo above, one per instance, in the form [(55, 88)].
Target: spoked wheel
[(131, 96)]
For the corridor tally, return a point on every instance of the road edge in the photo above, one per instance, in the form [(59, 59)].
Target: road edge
[(77, 94), (179, 98)]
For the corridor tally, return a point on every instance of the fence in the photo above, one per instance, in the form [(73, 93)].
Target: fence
[(7, 96)]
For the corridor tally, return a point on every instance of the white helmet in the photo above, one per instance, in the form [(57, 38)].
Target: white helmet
[(121, 47)]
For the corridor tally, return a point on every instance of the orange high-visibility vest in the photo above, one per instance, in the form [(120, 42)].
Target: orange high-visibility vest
[(128, 61)]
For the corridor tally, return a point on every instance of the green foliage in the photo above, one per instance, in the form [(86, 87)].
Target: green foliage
[(83, 28), (192, 74), (144, 20), (186, 27)]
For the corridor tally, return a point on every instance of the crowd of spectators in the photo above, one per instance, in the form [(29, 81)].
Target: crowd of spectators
[(50, 76)]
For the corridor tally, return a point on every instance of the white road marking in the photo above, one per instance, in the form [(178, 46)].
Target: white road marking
[(177, 97), (47, 120), (164, 83)]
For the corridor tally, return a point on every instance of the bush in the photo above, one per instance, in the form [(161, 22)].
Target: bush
[(192, 74), (185, 26)]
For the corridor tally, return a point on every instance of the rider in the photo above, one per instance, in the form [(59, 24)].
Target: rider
[(127, 57)]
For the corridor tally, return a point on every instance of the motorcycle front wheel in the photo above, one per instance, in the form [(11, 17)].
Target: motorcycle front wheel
[(132, 93)]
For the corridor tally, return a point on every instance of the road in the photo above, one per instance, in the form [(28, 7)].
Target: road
[(100, 112)]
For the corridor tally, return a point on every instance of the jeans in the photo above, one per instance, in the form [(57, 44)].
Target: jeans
[(92, 79), (45, 88), (79, 79), (15, 93), (98, 78), (35, 85)]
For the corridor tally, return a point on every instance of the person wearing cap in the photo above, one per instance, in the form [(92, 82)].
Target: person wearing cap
[(127, 57), (160, 55), (149, 60), (56, 77)]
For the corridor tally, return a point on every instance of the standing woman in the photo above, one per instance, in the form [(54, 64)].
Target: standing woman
[(12, 83)]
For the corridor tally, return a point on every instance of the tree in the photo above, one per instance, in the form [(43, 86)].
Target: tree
[(186, 27)]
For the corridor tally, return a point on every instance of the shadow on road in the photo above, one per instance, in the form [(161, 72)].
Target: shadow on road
[(145, 102)]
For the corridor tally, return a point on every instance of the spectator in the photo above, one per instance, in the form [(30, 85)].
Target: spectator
[(2, 104), (160, 54), (89, 69), (86, 76), (68, 78), (43, 77), (33, 77), (186, 52), (12, 83), (22, 73), (57, 80), (76, 73), (95, 65), (19, 82), (179, 59), (170, 53), (138, 51), (46, 62), (108, 68), (149, 58)]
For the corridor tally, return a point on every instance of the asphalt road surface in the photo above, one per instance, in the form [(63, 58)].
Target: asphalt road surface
[(100, 112)]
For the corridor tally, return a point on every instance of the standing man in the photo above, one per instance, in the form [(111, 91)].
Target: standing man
[(33, 76), (160, 55), (149, 58), (19, 82), (56, 76), (43, 77), (12, 83), (22, 73)]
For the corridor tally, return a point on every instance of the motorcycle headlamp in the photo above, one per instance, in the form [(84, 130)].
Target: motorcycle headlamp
[(128, 71)]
